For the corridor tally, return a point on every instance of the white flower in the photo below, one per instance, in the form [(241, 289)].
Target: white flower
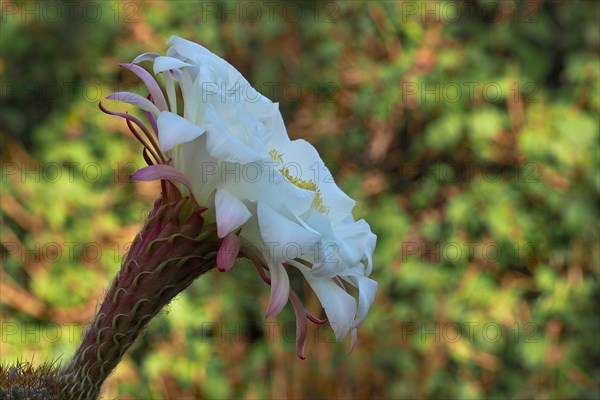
[(273, 199)]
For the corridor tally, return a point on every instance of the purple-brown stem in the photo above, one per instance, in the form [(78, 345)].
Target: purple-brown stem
[(173, 248)]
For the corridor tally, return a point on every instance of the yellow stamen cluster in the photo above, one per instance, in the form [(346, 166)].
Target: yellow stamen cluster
[(317, 202)]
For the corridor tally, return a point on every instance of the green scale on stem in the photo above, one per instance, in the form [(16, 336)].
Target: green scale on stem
[(173, 248)]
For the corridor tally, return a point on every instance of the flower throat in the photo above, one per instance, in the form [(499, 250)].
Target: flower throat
[(317, 202)]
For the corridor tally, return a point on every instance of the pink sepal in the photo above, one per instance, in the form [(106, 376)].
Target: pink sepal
[(280, 289), (161, 171), (151, 84)]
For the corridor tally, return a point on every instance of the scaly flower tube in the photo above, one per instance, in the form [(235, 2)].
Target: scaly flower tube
[(273, 199)]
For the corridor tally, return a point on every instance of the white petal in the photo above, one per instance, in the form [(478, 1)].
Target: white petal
[(162, 64), (261, 182), (203, 171), (227, 74), (171, 95), (201, 55), (286, 239), (367, 288), (270, 117), (328, 261), (185, 80), (174, 130), (357, 242), (339, 306), (224, 145), (231, 212)]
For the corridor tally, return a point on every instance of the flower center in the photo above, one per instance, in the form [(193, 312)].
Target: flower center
[(317, 202)]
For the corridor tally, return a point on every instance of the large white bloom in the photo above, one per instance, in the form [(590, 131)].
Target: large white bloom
[(271, 195)]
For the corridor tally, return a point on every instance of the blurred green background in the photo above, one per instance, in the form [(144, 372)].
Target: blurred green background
[(467, 131)]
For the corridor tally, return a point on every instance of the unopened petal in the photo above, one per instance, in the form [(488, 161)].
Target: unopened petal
[(231, 212), (228, 252)]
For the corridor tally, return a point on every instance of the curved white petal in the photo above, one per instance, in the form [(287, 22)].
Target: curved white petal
[(224, 145), (171, 95), (272, 121), (193, 160), (357, 242), (162, 64), (367, 288), (285, 238), (231, 212), (174, 130), (227, 74), (339, 306), (328, 261)]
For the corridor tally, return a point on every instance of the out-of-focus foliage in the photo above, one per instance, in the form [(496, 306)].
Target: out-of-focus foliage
[(468, 133)]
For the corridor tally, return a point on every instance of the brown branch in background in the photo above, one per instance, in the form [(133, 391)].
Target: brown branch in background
[(18, 298), (19, 214)]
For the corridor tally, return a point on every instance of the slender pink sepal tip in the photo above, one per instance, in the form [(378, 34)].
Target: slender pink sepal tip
[(301, 324), (354, 337), (280, 290)]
